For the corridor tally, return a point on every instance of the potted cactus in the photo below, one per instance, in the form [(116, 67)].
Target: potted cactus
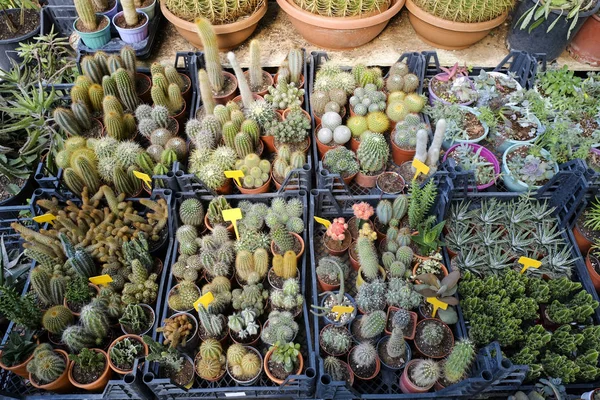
[(283, 269), (137, 319), (131, 24), (173, 365), (123, 352), (79, 293), (244, 327), (343, 162), (285, 163), (331, 273), (364, 361), (244, 364), (372, 153), (93, 29), (283, 360), (280, 327), (338, 370), (369, 270), (335, 340), (452, 86), (292, 132), (167, 93), (48, 370), (89, 370), (393, 351), (259, 79), (337, 239), (419, 376), (403, 319), (257, 174), (18, 352), (456, 366), (210, 325), (288, 298), (210, 361), (368, 327), (433, 338), (180, 331)]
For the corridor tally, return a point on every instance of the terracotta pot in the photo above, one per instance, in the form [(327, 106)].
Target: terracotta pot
[(269, 142), (406, 385), (413, 316), (400, 156), (19, 369), (226, 188), (267, 78), (585, 47), (300, 85), (229, 36), (62, 383), (262, 189), (414, 271), (99, 384), (280, 381), (210, 228), (338, 33), (583, 242), (238, 98), (445, 34), (117, 340), (366, 181), (353, 261), (326, 287), (96, 288), (354, 144), (145, 95), (365, 378), (322, 149), (187, 93), (592, 272), (346, 244), (298, 238), (446, 328), (181, 117)]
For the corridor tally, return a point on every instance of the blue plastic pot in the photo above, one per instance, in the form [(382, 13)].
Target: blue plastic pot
[(511, 181), (149, 11), (134, 35), (94, 40), (112, 12), (338, 323)]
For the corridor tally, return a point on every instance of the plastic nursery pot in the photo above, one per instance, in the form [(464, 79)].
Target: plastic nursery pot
[(251, 381), (278, 284), (173, 290), (360, 280), (150, 10), (300, 84), (340, 248), (582, 240), (113, 11), (210, 227), (433, 98), (512, 182), (273, 378), (590, 395), (585, 46), (338, 33), (345, 318), (192, 339), (97, 385), (447, 143), (552, 43), (590, 260), (95, 40), (448, 35), (439, 351), (326, 287), (11, 44), (117, 340), (229, 36), (358, 376), (66, 303), (485, 153), (506, 143), (143, 84), (238, 99), (380, 349), (298, 239), (267, 79), (406, 385), (410, 335), (264, 188), (393, 177), (62, 383), (399, 155), (197, 360), (151, 316)]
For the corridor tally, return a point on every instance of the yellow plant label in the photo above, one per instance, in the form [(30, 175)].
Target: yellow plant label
[(342, 310), (323, 222), (101, 280), (233, 215), (44, 218), (236, 174), (529, 263), (205, 300), (143, 177), (436, 303), (420, 167)]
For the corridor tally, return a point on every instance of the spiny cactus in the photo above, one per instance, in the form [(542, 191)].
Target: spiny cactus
[(295, 61), (126, 88), (458, 362), (425, 373), (466, 10), (208, 101), (256, 73), (94, 320), (244, 88), (87, 16), (367, 255), (56, 319), (243, 362), (350, 9), (191, 212), (371, 325), (217, 13), (433, 334), (76, 337), (256, 171), (372, 152), (285, 267), (364, 355), (211, 54), (166, 95), (396, 347), (130, 13), (405, 135), (46, 365)]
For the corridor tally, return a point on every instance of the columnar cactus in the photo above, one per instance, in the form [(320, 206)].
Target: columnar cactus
[(129, 12), (95, 321), (458, 362), (126, 88), (256, 73), (128, 57), (372, 324), (243, 86), (367, 255), (372, 152), (286, 266), (87, 16), (166, 95), (396, 347), (211, 54), (208, 101), (295, 61)]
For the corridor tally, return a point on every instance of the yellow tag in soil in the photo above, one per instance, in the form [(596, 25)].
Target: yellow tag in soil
[(342, 310), (205, 300), (101, 280), (44, 218), (420, 167), (233, 215), (143, 177), (323, 222), (529, 263), (436, 303), (236, 174)]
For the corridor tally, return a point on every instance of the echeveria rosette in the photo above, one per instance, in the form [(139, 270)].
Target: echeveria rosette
[(534, 170)]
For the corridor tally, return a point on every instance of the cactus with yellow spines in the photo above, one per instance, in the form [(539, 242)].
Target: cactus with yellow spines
[(126, 88), (211, 54)]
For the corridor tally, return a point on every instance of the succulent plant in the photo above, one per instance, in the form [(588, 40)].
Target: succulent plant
[(280, 327), (176, 330), (464, 11), (336, 339), (243, 323), (372, 153), (250, 296), (364, 355), (256, 171), (243, 362), (285, 95), (371, 296), (458, 362), (124, 353), (46, 365), (372, 324), (341, 161), (425, 373), (294, 129)]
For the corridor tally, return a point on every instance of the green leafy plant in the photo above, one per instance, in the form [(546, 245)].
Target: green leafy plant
[(18, 348), (78, 292), (89, 361), (286, 354), (166, 356), (536, 15)]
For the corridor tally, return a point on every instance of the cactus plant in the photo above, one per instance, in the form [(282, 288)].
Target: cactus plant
[(211, 54), (425, 373), (56, 319), (87, 16), (364, 355), (46, 365), (372, 153), (458, 362)]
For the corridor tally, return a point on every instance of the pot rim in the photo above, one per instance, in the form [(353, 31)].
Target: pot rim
[(136, 29), (25, 36), (451, 25)]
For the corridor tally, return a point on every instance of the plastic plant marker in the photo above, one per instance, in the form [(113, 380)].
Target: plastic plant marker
[(101, 280), (233, 215), (235, 174), (341, 310), (205, 300), (529, 263), (436, 303), (40, 219), (420, 167), (323, 222), (143, 177)]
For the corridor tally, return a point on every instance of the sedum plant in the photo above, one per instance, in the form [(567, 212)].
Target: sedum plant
[(286, 355)]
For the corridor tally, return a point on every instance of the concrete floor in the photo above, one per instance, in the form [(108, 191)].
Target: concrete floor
[(277, 36)]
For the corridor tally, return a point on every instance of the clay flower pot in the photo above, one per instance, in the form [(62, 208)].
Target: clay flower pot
[(582, 240), (210, 227), (353, 256), (99, 383), (360, 280), (229, 36), (445, 34), (322, 148), (267, 79), (327, 242), (338, 33), (298, 239), (19, 369), (444, 270), (62, 383), (366, 181), (585, 47), (262, 189), (276, 380), (410, 334), (326, 287), (238, 98), (406, 385), (117, 340), (592, 271), (364, 378), (399, 155)]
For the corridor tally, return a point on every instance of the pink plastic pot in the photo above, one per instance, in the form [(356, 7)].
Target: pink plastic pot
[(134, 35), (485, 153), (433, 97)]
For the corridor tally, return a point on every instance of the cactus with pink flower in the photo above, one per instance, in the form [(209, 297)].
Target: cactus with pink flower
[(362, 211), (337, 229)]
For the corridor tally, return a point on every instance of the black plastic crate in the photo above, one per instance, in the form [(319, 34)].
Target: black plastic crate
[(334, 182), (298, 179), (296, 386), (130, 386), (62, 16)]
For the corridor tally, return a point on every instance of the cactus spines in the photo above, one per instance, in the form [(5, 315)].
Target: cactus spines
[(66, 120), (126, 89), (208, 101), (244, 264), (146, 163), (458, 362), (364, 355), (82, 115), (46, 365), (229, 134), (399, 207), (115, 126), (95, 321), (425, 373), (191, 212), (396, 346), (129, 60), (251, 127), (371, 325), (122, 182), (96, 94), (372, 152), (256, 73), (295, 61), (176, 101), (56, 319), (211, 54), (112, 104), (243, 144), (286, 268), (261, 262), (367, 255), (245, 92), (384, 211), (433, 334), (77, 338), (89, 66), (283, 72), (73, 181), (114, 63), (79, 93), (109, 86)]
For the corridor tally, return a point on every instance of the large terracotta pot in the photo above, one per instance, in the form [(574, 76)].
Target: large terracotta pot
[(585, 47), (446, 34), (338, 33), (99, 383), (62, 383), (229, 36)]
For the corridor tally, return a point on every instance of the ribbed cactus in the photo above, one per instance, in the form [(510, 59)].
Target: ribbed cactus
[(211, 54), (243, 144), (73, 181), (283, 239), (458, 362), (82, 115), (122, 182), (46, 365), (115, 126), (371, 325), (287, 268), (146, 163), (66, 121), (166, 95), (404, 255), (191, 212), (255, 71), (295, 61), (56, 319), (77, 338), (128, 59), (208, 101), (82, 263), (364, 355), (126, 88), (432, 334), (243, 86), (129, 12), (251, 127), (109, 86), (261, 262), (213, 324), (425, 373), (367, 256), (87, 172), (96, 94), (372, 152), (89, 66), (384, 211), (49, 289), (244, 264), (79, 93), (396, 346), (399, 207), (95, 321)]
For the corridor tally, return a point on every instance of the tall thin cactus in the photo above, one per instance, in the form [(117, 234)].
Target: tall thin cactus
[(256, 73), (86, 13), (129, 12), (245, 91), (211, 54), (208, 101)]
